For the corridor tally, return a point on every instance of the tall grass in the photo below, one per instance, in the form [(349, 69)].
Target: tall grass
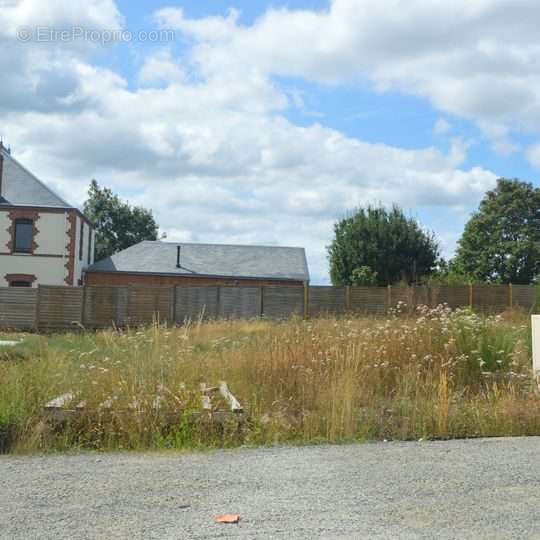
[(437, 374)]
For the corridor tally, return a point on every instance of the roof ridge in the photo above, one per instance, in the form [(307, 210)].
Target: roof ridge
[(224, 245)]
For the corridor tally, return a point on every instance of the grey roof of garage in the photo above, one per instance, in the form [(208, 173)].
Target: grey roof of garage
[(209, 260), (21, 188)]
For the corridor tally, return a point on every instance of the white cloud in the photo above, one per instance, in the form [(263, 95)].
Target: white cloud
[(44, 75), (441, 127), (476, 59), (58, 14), (213, 28), (214, 156), (161, 67), (499, 136), (533, 155)]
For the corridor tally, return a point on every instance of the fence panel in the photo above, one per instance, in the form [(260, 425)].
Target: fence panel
[(239, 302), (149, 304), (491, 298), (455, 296), (59, 307), (18, 308), (401, 295), (369, 300), (195, 303), (105, 306), (421, 296), (523, 296), (327, 300), (282, 302)]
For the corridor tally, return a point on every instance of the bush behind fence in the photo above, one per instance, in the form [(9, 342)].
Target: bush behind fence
[(57, 308)]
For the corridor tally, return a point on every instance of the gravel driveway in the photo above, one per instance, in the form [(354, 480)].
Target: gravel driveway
[(460, 489)]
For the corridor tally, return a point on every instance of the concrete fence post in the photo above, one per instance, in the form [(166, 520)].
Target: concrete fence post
[(388, 297)]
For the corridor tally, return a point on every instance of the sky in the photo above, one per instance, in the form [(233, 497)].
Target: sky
[(265, 122)]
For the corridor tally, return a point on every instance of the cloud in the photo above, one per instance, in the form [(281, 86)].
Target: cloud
[(44, 76), (476, 59), (161, 67), (214, 154), (58, 14), (214, 28), (533, 155), (441, 127)]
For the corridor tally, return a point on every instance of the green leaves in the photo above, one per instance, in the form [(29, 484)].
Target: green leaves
[(118, 225), (376, 246), (501, 242), (364, 277)]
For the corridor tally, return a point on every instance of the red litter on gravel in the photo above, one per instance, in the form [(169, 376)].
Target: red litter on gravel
[(228, 518)]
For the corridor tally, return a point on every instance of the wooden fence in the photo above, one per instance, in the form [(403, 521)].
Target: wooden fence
[(18, 307), (55, 308)]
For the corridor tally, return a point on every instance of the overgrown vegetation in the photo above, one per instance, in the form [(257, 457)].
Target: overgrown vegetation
[(437, 374)]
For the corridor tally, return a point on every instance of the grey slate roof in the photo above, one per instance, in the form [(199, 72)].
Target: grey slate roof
[(21, 188), (215, 260)]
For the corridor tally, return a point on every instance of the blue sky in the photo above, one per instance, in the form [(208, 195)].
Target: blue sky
[(394, 118), (265, 122)]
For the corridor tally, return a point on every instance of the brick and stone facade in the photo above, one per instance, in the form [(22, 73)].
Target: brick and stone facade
[(54, 252), (53, 259)]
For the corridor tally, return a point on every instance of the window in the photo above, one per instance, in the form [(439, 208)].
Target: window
[(81, 240), (24, 235), (20, 284)]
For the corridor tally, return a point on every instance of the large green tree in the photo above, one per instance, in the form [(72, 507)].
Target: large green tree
[(379, 246), (501, 241), (118, 225)]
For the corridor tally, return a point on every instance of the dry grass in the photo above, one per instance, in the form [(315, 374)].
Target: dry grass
[(438, 374)]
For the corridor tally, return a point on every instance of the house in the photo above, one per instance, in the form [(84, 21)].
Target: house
[(43, 239), (164, 263)]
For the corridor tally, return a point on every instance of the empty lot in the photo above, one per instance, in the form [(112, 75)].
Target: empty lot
[(459, 489)]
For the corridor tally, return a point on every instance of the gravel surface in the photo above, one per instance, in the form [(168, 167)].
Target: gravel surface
[(460, 489)]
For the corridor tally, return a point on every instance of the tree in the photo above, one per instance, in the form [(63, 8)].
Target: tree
[(446, 273), (118, 225), (364, 276), (501, 241), (379, 246)]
